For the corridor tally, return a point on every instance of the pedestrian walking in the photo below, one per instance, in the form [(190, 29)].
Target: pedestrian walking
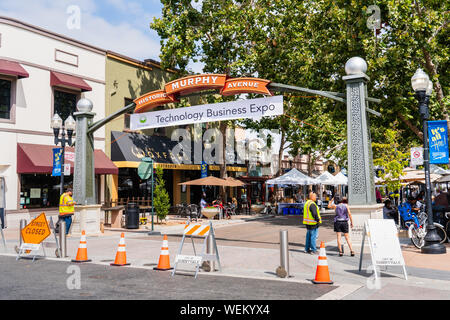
[(312, 220), (66, 208), (341, 220)]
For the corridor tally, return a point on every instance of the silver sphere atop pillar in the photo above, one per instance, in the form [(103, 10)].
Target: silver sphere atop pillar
[(84, 105), (355, 65)]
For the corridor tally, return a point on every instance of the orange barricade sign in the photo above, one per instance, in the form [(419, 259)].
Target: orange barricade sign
[(37, 230)]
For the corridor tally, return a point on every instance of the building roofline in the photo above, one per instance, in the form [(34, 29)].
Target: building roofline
[(147, 63), (57, 36)]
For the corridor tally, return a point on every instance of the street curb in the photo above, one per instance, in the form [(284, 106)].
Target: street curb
[(340, 292)]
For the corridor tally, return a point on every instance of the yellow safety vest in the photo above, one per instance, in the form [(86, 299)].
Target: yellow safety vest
[(307, 215), (66, 205)]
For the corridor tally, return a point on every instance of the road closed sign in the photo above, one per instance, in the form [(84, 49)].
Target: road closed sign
[(37, 230)]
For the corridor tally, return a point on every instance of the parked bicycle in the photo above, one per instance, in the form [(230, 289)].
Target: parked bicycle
[(416, 223), (447, 225), (269, 209), (188, 211), (183, 210)]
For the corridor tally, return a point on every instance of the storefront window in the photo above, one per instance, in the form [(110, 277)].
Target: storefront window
[(127, 115), (5, 99), (40, 190), (132, 186), (65, 103)]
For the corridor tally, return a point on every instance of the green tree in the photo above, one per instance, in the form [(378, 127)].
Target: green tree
[(306, 43), (389, 156), (161, 197)]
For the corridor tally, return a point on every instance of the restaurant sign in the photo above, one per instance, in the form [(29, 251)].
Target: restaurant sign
[(196, 83)]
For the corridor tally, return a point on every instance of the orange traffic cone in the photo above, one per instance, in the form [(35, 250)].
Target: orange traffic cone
[(322, 273), (82, 250), (121, 255), (164, 260)]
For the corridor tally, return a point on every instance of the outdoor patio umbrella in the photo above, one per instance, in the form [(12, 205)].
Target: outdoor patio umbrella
[(235, 182), (413, 175), (444, 178), (209, 181)]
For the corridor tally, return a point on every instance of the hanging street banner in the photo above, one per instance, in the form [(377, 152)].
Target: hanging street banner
[(204, 170), (438, 142), (253, 108), (57, 153)]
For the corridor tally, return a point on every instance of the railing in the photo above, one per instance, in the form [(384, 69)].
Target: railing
[(140, 201), (115, 205)]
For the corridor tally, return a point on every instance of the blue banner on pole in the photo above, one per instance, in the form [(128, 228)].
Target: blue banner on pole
[(204, 169), (438, 142), (57, 154)]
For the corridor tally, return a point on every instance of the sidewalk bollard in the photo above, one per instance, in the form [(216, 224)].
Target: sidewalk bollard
[(62, 239), (283, 270), (210, 250), (22, 224)]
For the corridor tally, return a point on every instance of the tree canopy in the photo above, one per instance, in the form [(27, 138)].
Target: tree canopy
[(306, 43)]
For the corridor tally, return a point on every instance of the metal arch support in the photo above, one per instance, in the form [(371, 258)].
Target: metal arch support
[(97, 125), (337, 96), (289, 88)]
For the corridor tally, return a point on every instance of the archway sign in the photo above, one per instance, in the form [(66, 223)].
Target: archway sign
[(361, 187), (199, 84)]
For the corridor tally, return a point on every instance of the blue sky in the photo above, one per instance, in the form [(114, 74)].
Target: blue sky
[(118, 25)]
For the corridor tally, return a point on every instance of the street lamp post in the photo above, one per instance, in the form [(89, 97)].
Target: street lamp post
[(57, 126), (423, 87)]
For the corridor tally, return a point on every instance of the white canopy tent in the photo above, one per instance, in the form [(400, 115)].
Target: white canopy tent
[(438, 170), (327, 178), (293, 177), (341, 179)]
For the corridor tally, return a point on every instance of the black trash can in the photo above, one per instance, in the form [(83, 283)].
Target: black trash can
[(132, 216)]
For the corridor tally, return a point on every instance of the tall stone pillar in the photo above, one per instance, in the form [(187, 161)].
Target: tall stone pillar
[(361, 188), (84, 175), (87, 212)]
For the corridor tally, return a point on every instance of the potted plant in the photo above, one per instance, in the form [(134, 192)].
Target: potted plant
[(161, 197)]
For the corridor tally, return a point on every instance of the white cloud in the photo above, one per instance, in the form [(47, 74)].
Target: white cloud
[(124, 38)]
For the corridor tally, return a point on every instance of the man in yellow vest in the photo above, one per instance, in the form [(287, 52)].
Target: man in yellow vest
[(312, 219), (66, 208)]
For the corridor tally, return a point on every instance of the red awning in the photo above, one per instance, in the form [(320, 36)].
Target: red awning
[(12, 68), (37, 158), (72, 82)]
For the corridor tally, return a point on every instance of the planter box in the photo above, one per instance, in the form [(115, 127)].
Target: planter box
[(210, 212)]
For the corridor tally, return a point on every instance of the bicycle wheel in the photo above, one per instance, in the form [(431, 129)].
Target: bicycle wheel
[(441, 232), (417, 236)]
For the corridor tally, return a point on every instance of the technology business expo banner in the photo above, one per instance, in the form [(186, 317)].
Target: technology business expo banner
[(253, 108)]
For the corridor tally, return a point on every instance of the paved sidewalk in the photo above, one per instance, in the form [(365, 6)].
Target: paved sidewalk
[(249, 248)]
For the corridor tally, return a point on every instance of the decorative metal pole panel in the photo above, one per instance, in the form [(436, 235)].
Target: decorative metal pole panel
[(84, 174), (361, 188)]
